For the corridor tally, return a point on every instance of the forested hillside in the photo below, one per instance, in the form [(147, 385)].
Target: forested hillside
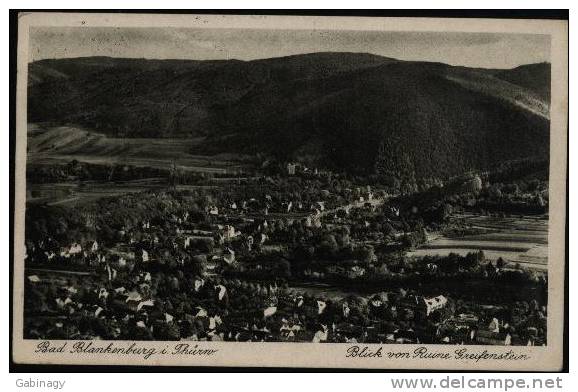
[(357, 112)]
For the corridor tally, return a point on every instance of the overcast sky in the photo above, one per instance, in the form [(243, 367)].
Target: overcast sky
[(469, 49)]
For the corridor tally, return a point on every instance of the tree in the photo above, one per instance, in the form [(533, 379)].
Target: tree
[(500, 263), (365, 254), (197, 264), (328, 246), (284, 268), (342, 239)]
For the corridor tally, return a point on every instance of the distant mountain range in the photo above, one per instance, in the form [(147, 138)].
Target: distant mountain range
[(343, 110)]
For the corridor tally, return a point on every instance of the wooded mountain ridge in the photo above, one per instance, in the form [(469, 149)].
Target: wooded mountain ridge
[(347, 111)]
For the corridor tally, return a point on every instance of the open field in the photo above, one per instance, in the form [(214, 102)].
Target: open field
[(517, 240), (51, 145), (78, 192), (70, 193)]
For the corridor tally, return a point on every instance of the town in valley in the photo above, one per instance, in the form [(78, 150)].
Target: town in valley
[(315, 198)]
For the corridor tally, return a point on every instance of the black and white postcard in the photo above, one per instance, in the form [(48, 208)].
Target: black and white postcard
[(290, 191)]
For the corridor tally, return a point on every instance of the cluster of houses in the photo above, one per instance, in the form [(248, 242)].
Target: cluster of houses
[(295, 168), (425, 306), (145, 305), (237, 228)]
